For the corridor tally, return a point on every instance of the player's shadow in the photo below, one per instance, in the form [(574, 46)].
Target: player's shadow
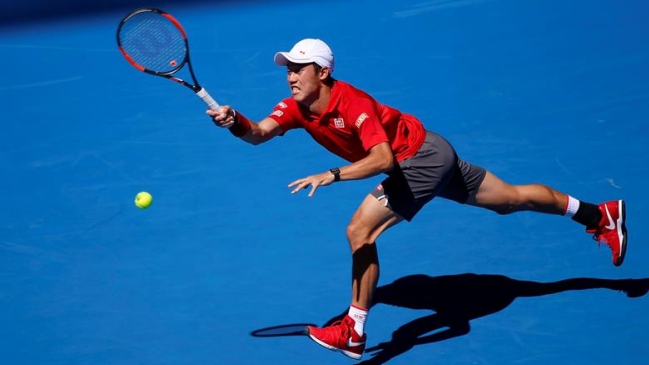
[(458, 299)]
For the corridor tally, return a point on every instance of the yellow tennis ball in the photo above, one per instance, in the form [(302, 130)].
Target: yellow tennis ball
[(143, 200)]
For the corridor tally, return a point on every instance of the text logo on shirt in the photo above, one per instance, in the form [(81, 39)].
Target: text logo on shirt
[(339, 123), (360, 120)]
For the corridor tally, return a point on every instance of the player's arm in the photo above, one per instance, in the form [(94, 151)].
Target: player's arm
[(242, 127), (380, 159)]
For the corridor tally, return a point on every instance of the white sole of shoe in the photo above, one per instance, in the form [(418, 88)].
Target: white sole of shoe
[(350, 354)]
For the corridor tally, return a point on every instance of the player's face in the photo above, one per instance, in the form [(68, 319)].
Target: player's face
[(304, 81)]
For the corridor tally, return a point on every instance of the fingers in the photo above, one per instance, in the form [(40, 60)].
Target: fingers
[(314, 181), (222, 117), (299, 185), (313, 189)]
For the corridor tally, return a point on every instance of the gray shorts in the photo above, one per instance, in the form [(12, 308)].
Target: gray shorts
[(434, 171)]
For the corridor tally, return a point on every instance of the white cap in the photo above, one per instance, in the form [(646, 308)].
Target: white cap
[(307, 51)]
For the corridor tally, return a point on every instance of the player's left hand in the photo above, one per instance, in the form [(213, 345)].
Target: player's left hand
[(315, 181)]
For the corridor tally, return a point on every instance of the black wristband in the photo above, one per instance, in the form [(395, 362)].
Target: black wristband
[(336, 172)]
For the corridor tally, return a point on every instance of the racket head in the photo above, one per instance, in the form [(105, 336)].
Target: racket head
[(153, 41)]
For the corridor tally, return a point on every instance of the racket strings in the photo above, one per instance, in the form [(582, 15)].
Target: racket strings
[(153, 42)]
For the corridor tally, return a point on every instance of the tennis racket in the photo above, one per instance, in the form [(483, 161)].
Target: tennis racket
[(154, 42)]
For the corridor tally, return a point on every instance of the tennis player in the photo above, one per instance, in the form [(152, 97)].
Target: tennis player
[(420, 165)]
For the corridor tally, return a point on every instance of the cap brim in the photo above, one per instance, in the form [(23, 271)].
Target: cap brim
[(283, 59)]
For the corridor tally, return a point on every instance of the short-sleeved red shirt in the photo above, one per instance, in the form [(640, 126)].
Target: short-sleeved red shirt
[(353, 123)]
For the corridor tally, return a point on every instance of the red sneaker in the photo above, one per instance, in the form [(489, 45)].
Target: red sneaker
[(340, 336), (611, 229)]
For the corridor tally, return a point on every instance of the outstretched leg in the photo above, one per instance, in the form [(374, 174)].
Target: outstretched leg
[(504, 198), (605, 222)]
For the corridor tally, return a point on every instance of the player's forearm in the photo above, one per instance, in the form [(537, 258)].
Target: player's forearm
[(363, 169), (247, 130), (255, 135), (380, 160), (255, 132)]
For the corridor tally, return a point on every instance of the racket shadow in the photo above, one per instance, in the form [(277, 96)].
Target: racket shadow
[(293, 329), (458, 299)]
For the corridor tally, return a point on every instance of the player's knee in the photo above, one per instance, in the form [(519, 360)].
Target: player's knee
[(357, 235), (508, 201)]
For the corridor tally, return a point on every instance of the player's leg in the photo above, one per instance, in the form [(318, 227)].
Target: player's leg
[(412, 184), (504, 198), (368, 222), (371, 219), (606, 220)]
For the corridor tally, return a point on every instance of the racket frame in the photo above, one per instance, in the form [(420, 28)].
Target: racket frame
[(196, 87)]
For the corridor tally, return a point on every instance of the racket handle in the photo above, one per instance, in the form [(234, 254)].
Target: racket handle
[(211, 103)]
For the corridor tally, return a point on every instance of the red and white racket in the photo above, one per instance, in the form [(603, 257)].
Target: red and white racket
[(154, 42)]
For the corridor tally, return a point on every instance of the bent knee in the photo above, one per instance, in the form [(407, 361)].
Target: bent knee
[(369, 221), (357, 235)]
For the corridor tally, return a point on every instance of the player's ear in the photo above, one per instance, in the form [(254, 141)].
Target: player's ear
[(325, 72)]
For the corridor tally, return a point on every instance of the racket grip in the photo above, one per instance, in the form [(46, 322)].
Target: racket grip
[(211, 103)]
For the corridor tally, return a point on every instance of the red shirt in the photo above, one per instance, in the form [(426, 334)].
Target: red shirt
[(353, 123)]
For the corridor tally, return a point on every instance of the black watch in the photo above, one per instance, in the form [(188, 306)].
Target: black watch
[(336, 172)]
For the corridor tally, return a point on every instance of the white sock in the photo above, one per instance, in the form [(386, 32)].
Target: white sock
[(573, 206), (359, 315)]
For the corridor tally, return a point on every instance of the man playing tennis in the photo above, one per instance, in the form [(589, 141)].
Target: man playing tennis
[(419, 165)]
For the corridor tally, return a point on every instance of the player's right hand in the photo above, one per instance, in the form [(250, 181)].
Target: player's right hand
[(222, 117)]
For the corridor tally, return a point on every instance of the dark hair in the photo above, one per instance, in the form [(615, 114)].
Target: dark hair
[(329, 81)]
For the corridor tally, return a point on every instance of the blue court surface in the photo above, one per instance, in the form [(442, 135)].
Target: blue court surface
[(547, 91)]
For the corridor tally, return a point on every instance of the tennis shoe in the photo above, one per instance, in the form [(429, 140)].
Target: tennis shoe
[(611, 229), (340, 336)]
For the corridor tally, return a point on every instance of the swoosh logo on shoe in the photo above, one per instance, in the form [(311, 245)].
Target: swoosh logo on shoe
[(351, 343), (611, 224)]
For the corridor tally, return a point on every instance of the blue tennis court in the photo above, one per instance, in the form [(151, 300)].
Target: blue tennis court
[(552, 91)]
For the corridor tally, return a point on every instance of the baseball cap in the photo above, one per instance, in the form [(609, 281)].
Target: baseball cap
[(306, 51)]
